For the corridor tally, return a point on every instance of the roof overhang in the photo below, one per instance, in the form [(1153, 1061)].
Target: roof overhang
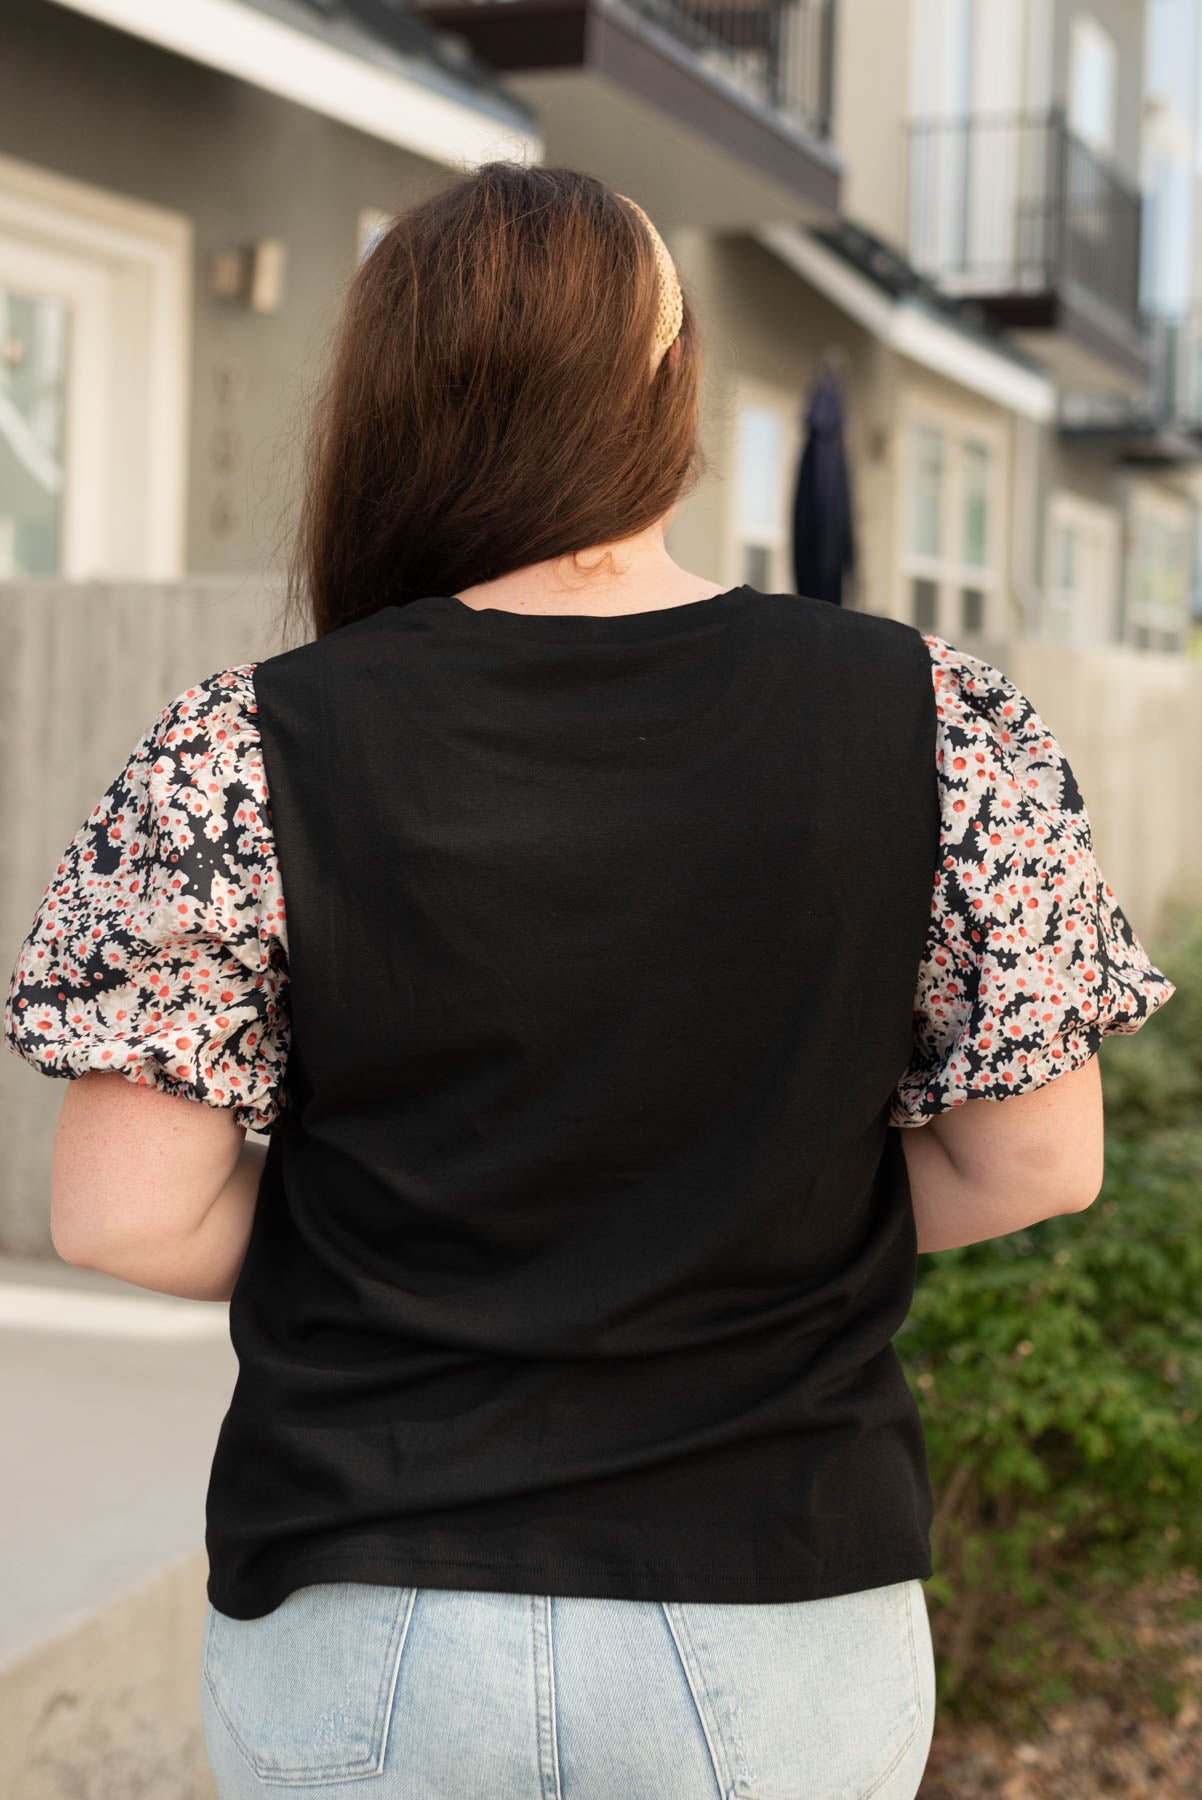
[(334, 68), (911, 329)]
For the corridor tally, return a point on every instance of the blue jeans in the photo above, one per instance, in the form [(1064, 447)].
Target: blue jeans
[(349, 1690)]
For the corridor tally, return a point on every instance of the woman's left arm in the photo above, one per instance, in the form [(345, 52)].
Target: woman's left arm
[(153, 1188), (155, 976)]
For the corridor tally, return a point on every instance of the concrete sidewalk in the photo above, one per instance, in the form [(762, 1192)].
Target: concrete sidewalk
[(110, 1402)]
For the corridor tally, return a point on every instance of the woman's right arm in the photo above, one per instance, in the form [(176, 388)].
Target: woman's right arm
[(989, 1167), (1029, 963)]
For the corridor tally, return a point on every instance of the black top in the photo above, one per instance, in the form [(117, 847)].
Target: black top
[(578, 1256), (583, 1236)]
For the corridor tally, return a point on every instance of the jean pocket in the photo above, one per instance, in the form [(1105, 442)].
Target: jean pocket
[(306, 1692), (810, 1697)]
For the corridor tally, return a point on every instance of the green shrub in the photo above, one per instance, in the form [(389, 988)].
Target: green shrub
[(1059, 1370)]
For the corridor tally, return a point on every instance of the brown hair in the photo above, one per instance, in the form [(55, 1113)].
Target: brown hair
[(488, 403)]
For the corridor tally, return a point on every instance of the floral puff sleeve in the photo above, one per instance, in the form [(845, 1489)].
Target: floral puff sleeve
[(1029, 961), (159, 950)]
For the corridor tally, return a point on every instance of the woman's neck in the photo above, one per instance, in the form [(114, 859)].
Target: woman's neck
[(633, 574)]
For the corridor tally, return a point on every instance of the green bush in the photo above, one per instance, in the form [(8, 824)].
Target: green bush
[(1059, 1370)]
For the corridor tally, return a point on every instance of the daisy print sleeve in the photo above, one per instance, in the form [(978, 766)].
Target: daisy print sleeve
[(1029, 961), (159, 950)]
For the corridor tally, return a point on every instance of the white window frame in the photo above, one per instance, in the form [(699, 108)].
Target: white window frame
[(787, 405), (950, 573), (125, 477), (1171, 511), (1065, 619)]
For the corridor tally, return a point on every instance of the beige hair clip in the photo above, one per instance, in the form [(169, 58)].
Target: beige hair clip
[(671, 306)]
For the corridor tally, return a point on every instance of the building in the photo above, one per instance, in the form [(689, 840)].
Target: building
[(940, 200), (1011, 170), (183, 190)]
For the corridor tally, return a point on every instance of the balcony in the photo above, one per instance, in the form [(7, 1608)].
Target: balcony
[(1162, 426), (711, 112), (1042, 233)]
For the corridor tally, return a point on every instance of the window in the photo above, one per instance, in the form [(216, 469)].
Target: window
[(974, 499), (1091, 83), (1158, 572), (1081, 575), (951, 507), (34, 340), (928, 490), (94, 380), (767, 445)]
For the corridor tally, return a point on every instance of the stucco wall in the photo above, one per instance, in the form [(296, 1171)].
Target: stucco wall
[(872, 107)]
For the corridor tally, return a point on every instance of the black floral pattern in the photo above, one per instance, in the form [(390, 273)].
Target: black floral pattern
[(160, 948)]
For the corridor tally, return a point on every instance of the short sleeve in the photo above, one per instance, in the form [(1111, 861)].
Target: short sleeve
[(1029, 961), (159, 950)]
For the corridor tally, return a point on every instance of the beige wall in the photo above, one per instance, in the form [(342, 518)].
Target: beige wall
[(763, 324), (872, 105)]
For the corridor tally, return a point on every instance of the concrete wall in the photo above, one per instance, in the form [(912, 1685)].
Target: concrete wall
[(100, 106), (1130, 723), (83, 671)]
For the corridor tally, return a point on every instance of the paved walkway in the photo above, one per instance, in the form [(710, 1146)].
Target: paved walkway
[(110, 1402)]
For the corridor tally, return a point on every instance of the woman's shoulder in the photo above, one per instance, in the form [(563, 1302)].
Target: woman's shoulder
[(852, 630), (212, 711), (991, 733)]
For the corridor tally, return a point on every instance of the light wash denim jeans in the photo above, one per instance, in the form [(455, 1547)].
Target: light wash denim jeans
[(349, 1690)]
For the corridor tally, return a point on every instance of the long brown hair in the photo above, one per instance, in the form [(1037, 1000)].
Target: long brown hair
[(488, 402)]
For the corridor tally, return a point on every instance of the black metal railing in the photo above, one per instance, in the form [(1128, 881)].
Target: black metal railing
[(780, 53), (1016, 205), (1175, 343)]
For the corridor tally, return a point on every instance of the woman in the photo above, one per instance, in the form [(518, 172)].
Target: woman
[(591, 941)]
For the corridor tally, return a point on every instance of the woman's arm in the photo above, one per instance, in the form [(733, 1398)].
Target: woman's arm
[(157, 1190), (990, 1167)]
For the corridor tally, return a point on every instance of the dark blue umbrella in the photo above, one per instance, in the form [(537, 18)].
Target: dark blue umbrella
[(823, 536)]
